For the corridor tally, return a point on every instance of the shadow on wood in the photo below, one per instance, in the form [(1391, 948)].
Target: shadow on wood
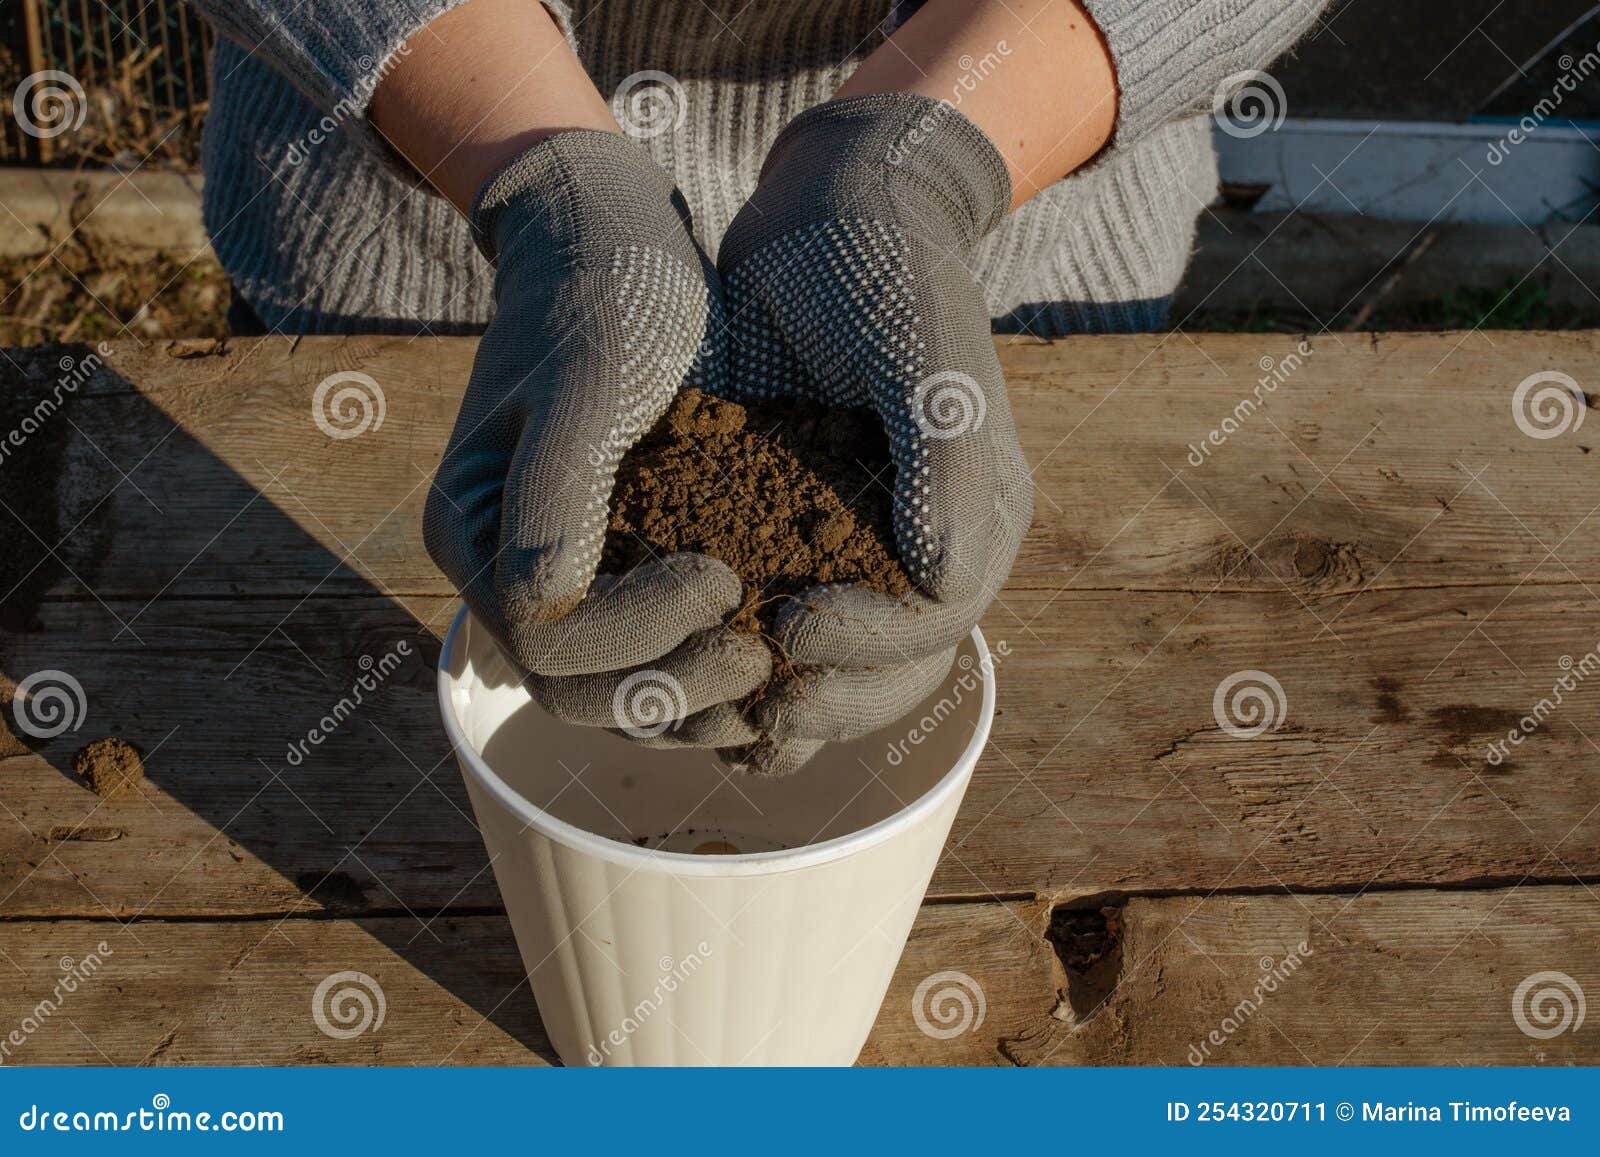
[(297, 721)]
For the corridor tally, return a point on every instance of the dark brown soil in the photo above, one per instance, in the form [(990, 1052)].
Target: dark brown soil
[(109, 766), (788, 497)]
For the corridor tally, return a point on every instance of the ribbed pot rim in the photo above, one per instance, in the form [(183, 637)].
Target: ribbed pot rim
[(686, 863)]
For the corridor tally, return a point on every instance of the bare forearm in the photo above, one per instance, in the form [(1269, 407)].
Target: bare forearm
[(478, 86), (1034, 75)]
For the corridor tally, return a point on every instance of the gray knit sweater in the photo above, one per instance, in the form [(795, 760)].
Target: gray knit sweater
[(323, 230)]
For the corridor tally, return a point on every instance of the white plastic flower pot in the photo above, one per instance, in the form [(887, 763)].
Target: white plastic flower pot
[(670, 911)]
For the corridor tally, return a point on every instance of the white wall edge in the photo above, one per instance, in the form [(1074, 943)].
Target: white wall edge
[(1488, 172)]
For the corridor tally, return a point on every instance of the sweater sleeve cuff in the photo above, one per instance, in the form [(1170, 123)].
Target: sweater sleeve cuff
[(1172, 56)]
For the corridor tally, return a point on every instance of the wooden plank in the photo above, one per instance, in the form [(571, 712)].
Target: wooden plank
[(1385, 978), (241, 570), (374, 818), (146, 210), (1381, 462), (207, 476), (1389, 462), (995, 958), (240, 992), (1415, 978), (1107, 770)]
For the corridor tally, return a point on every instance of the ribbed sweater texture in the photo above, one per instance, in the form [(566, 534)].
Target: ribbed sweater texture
[(323, 230)]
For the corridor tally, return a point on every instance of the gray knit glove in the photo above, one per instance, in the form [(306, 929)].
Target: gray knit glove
[(605, 307), (847, 282)]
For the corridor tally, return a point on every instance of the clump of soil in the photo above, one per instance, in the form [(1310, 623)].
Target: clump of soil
[(787, 496), (109, 766)]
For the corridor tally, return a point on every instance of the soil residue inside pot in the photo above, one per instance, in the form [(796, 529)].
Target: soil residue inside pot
[(788, 497)]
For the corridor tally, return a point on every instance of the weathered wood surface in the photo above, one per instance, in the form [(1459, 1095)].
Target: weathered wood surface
[(1413, 604), (1414, 977), (1386, 461), (1380, 537), (1417, 978), (1106, 771)]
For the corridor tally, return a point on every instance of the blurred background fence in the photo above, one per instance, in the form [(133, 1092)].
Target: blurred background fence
[(140, 64)]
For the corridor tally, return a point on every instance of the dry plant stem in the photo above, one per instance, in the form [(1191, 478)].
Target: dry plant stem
[(480, 85), (1034, 75)]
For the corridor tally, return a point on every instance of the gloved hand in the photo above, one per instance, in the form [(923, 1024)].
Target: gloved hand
[(846, 281), (605, 308)]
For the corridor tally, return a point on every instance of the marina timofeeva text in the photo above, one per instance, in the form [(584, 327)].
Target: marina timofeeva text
[(1377, 1112)]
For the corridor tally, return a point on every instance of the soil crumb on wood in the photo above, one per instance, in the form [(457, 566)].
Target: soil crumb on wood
[(109, 766), (788, 497)]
